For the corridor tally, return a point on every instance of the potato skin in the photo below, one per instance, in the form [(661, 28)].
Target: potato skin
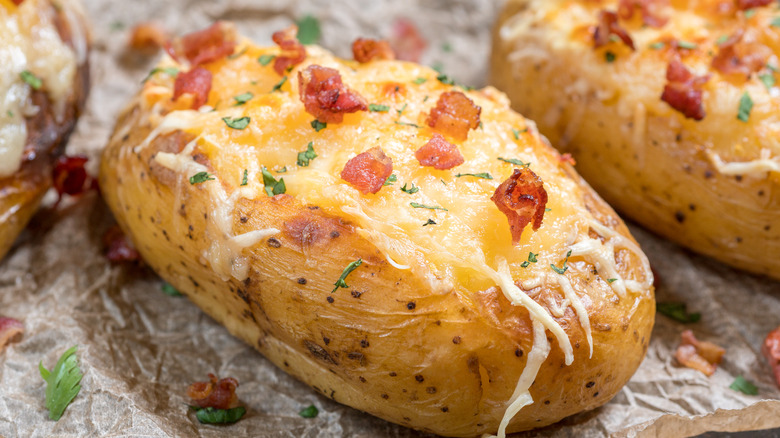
[(21, 193), (661, 175), (391, 346)]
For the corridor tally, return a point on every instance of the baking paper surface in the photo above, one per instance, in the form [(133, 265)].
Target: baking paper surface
[(139, 348)]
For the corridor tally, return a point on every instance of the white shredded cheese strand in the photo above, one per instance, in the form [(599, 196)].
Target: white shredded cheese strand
[(576, 303), (757, 168)]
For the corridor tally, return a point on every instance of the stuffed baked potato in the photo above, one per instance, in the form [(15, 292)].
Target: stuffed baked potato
[(670, 111), (402, 244)]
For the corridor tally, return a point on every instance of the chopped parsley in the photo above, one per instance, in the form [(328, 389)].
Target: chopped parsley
[(410, 190), (722, 39), (429, 207), (237, 54), (517, 133), (377, 108), (9, 113), (219, 416), (611, 280), (444, 79), (282, 170), (658, 45), (341, 283), (677, 312), (609, 56), (170, 290), (318, 126), (514, 161), (308, 30), (446, 47), (745, 106), (265, 59), (245, 178), (750, 13), (239, 123), (420, 80), (272, 186), (243, 98), (309, 412), (30, 79), (305, 156), (62, 382), (397, 122), (278, 86), (170, 71), (430, 222), (775, 22), (483, 175), (401, 111), (201, 177), (532, 258), (744, 386), (563, 269), (390, 180), (768, 79), (686, 45)]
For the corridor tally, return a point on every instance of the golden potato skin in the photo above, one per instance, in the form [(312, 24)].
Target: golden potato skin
[(645, 158), (440, 362), (21, 193)]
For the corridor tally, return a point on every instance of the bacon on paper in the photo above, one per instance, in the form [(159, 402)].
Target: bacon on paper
[(148, 36), (454, 115), (69, 176), (741, 55), (749, 4), (407, 42), (683, 90), (368, 171), (208, 45), (118, 248), (699, 355), (293, 52), (10, 329), (522, 199), (771, 351), (439, 154), (324, 95), (366, 50), (608, 26), (216, 393), (196, 83), (651, 11)]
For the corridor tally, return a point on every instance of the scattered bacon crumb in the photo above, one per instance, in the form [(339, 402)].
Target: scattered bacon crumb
[(148, 36), (771, 350), (208, 45), (749, 4), (196, 83), (324, 95), (522, 199), (365, 50), (607, 26), (17, 2), (10, 329), (293, 52), (454, 115), (69, 176), (407, 42), (368, 171), (683, 90), (567, 158), (741, 55), (118, 248), (216, 393), (650, 10), (439, 154), (699, 355)]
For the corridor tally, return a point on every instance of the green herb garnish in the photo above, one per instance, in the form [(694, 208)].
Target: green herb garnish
[(265, 59), (307, 155), (341, 283), (563, 269), (532, 258), (278, 86), (239, 123), (517, 133), (768, 79), (744, 386), (397, 122), (775, 22), (30, 79), (657, 45), (272, 186), (420, 81), (219, 416), (611, 280), (401, 111), (308, 30), (309, 412), (686, 45), (201, 177), (243, 98), (444, 79), (62, 383), (237, 54), (750, 13), (677, 312), (318, 126), (410, 190), (170, 71), (609, 56), (483, 175), (745, 106), (514, 161), (390, 180), (722, 39), (373, 107), (430, 222), (429, 207), (170, 290), (245, 178)]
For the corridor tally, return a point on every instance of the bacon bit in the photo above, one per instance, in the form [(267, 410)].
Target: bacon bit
[(699, 355), (608, 25), (683, 90), (207, 45), (454, 114), (148, 36), (771, 350), (741, 55), (325, 96), (368, 171), (567, 158), (70, 178), (10, 329), (196, 83), (650, 9), (216, 393), (366, 50), (522, 199), (118, 248), (439, 154), (749, 4), (17, 2), (293, 52), (407, 42)]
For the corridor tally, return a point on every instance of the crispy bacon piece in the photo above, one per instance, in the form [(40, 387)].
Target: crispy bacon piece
[(699, 355), (196, 83), (567, 158), (324, 95), (10, 329), (69, 176), (683, 90), (749, 4), (741, 55), (118, 248), (368, 171), (17, 2), (365, 50), (608, 26), (439, 154), (216, 393), (208, 45), (454, 115), (771, 350), (293, 52), (522, 199), (148, 36), (650, 10), (407, 42)]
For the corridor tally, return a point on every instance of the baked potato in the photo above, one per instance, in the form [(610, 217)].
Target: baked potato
[(44, 77), (670, 111), (352, 220)]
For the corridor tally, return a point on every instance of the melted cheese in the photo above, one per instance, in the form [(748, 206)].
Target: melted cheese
[(29, 41), (756, 168)]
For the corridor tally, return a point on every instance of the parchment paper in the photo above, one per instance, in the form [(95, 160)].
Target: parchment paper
[(139, 348)]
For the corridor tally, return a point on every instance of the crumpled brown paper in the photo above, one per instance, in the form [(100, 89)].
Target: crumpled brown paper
[(139, 348)]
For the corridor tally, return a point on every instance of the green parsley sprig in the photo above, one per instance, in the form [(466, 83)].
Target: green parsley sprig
[(348, 270)]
